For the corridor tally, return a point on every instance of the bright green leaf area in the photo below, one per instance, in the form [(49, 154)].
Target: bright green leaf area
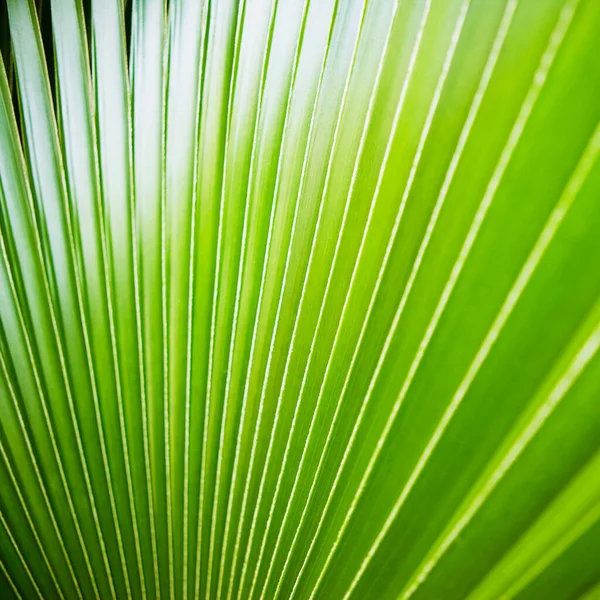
[(300, 299)]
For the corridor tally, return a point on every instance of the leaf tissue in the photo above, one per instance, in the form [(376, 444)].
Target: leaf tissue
[(300, 299)]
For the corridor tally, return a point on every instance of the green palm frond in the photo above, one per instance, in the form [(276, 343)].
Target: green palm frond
[(300, 299)]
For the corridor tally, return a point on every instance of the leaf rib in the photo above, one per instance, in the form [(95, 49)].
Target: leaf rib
[(544, 240), (239, 19), (192, 270), (514, 136), (261, 291), (38, 476), (15, 155), (21, 557), (340, 234), (30, 522), (336, 134), (36, 104)]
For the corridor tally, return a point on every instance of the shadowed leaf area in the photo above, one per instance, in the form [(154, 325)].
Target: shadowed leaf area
[(300, 299)]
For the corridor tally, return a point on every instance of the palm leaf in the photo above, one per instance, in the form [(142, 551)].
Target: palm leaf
[(300, 299)]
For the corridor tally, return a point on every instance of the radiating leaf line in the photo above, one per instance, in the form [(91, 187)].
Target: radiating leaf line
[(48, 425), (584, 489), (266, 55), (192, 269), (466, 130), (454, 162), (544, 240), (24, 22), (185, 42), (38, 476), (18, 157), (114, 350), (72, 97), (275, 192), (274, 204), (239, 19), (264, 273), (574, 533), (283, 286), (514, 136), (299, 310), (426, 128), (141, 30), (319, 82), (21, 557), (165, 309), (556, 549), (79, 290), (132, 206), (103, 154), (357, 160), (261, 89), (29, 520), (278, 313), (108, 21), (399, 107), (137, 306), (11, 583), (106, 238)]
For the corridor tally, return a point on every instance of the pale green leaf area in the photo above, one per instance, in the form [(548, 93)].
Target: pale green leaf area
[(300, 299)]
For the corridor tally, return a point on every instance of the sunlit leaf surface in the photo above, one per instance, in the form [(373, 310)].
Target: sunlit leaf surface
[(300, 299)]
